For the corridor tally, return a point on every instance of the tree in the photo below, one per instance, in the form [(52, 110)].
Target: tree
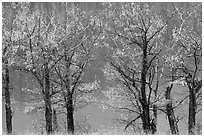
[(76, 39), (35, 52), (9, 47), (45, 37), (170, 109), (187, 36), (6, 79), (135, 31), (171, 76)]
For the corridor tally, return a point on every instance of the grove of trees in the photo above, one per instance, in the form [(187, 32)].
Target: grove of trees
[(151, 48)]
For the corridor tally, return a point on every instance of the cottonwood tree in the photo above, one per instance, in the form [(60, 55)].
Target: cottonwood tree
[(76, 37), (36, 51), (169, 109), (133, 31), (9, 47), (187, 36), (62, 44)]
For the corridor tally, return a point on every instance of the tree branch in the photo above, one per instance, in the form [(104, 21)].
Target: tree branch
[(131, 122)]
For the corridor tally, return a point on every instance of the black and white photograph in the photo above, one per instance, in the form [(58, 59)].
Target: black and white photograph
[(101, 68)]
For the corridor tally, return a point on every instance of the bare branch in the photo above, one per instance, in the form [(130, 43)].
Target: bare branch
[(60, 76), (180, 102), (152, 59), (131, 122), (160, 29)]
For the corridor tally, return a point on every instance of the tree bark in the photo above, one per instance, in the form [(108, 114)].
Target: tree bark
[(192, 112), (8, 101), (48, 108), (170, 112), (55, 125), (194, 86), (70, 118), (143, 100), (153, 124)]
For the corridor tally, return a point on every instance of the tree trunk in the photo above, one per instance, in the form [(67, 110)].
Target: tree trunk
[(192, 112), (8, 101), (70, 118), (170, 112), (153, 122), (48, 108), (193, 86), (55, 126), (143, 100)]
